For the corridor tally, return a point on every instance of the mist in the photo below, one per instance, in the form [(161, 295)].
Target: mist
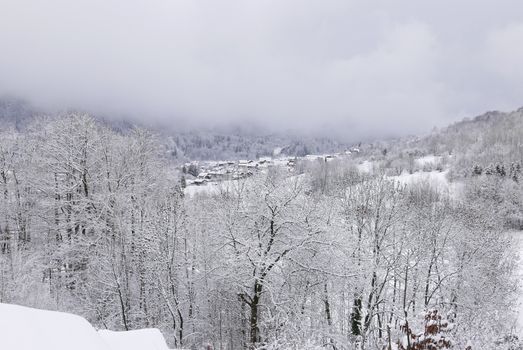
[(348, 68)]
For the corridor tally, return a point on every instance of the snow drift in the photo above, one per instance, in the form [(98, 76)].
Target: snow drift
[(23, 328)]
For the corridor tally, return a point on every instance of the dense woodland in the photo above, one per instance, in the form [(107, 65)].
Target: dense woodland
[(95, 222)]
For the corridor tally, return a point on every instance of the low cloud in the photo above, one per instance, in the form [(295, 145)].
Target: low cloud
[(353, 68)]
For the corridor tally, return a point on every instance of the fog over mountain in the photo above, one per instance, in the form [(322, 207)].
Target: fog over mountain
[(348, 68)]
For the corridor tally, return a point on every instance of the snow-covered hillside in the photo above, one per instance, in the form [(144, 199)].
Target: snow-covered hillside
[(23, 328), (438, 180), (519, 239)]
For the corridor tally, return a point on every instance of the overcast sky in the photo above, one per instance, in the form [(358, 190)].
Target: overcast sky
[(356, 67)]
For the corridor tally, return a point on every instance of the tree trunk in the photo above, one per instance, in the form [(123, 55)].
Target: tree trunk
[(254, 328)]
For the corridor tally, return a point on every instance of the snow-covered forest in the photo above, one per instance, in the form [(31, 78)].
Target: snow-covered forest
[(368, 251)]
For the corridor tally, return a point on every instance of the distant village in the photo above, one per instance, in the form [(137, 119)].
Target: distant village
[(200, 173)]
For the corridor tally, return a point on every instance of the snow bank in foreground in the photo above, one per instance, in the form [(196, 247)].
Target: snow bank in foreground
[(142, 339), (23, 328)]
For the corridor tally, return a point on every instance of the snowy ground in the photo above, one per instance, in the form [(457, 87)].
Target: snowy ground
[(212, 188), (141, 339), (431, 159), (208, 188), (437, 179), (365, 166), (23, 328)]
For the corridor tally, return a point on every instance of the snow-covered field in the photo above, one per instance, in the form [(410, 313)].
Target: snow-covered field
[(437, 179), (208, 188), (23, 328), (430, 159), (365, 166), (212, 188)]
